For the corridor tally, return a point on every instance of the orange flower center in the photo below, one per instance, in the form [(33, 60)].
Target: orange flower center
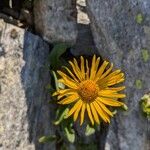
[(88, 90)]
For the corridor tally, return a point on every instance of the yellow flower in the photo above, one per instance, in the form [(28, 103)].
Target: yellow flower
[(89, 90)]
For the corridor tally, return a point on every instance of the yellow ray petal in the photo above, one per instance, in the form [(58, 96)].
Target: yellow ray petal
[(110, 102), (74, 108), (82, 113), (116, 89), (82, 67), (87, 70), (114, 73), (69, 99), (76, 71), (66, 94), (77, 112), (101, 112), (109, 77), (93, 67), (89, 113), (104, 108), (101, 70), (107, 72), (71, 74), (69, 83), (64, 91), (116, 79), (64, 76), (97, 64), (77, 67), (94, 113), (110, 94)]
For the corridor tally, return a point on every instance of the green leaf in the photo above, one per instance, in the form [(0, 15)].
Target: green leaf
[(58, 85), (55, 54), (62, 116), (89, 130), (45, 139), (70, 135), (55, 80), (125, 107)]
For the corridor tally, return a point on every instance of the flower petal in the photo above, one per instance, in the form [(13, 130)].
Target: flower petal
[(92, 73), (71, 74), (76, 71), (116, 89), (69, 99), (65, 94), (82, 113), (87, 70), (82, 67), (105, 108), (74, 108), (110, 94), (89, 113), (101, 70), (77, 67), (68, 83), (110, 102), (94, 113), (107, 72), (77, 112), (64, 76), (101, 112)]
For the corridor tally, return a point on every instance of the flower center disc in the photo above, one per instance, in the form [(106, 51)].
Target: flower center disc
[(88, 90)]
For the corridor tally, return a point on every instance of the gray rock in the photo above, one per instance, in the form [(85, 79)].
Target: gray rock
[(55, 20), (84, 44), (25, 113), (121, 34)]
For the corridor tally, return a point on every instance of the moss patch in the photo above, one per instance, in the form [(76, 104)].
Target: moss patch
[(138, 84), (145, 55), (139, 18)]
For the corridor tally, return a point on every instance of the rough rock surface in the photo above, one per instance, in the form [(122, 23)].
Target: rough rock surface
[(24, 110), (55, 20), (84, 43), (121, 31)]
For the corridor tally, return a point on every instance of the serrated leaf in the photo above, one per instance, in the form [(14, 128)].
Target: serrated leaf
[(89, 130), (55, 54), (45, 139), (70, 135)]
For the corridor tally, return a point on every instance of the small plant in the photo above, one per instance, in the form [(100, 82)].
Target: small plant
[(145, 105), (85, 95)]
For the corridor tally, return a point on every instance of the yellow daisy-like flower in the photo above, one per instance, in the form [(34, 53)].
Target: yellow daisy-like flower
[(90, 90)]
